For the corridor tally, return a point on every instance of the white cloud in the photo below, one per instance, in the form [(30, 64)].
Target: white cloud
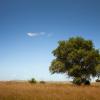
[(32, 34)]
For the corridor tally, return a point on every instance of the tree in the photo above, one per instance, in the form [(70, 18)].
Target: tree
[(98, 72), (32, 81), (77, 57)]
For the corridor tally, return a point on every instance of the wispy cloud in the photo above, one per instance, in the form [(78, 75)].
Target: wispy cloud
[(36, 34), (32, 34), (42, 33), (49, 34)]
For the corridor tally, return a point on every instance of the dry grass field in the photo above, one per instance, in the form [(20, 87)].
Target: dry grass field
[(27, 91)]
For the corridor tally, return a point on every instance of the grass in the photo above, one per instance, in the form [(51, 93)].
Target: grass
[(27, 91)]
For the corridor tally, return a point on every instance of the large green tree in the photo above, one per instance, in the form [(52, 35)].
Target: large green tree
[(77, 57)]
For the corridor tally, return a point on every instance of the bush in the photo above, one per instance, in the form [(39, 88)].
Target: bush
[(77, 81), (97, 80), (87, 82), (42, 82), (32, 80)]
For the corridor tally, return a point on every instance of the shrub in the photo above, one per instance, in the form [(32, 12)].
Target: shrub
[(87, 82), (97, 80), (42, 82), (32, 80), (77, 81)]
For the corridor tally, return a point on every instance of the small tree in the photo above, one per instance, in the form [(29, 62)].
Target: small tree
[(33, 81), (77, 58)]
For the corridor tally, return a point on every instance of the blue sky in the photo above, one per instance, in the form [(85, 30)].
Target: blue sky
[(30, 30)]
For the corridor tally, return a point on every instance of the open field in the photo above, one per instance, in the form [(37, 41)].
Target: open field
[(27, 91)]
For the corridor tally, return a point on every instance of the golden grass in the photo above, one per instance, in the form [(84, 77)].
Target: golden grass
[(26, 91)]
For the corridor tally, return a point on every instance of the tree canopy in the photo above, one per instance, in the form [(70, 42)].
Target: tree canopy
[(77, 57)]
